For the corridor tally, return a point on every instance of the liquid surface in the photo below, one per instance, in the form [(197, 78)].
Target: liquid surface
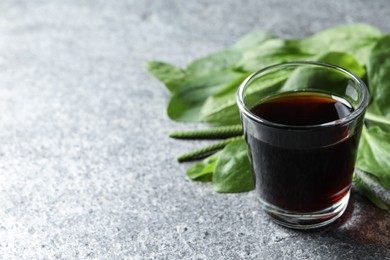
[(302, 109), (303, 180)]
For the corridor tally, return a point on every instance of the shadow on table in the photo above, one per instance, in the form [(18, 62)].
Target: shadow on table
[(362, 224)]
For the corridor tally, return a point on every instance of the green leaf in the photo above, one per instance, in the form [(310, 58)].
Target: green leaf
[(355, 39), (271, 52), (203, 171), (219, 61), (186, 103), (221, 108), (206, 76), (170, 75), (343, 60), (378, 71), (373, 155), (368, 187), (227, 58), (313, 77), (233, 172)]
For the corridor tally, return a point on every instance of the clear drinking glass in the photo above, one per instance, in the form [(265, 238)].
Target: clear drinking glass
[(303, 172)]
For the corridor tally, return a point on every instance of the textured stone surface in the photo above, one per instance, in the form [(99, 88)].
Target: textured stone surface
[(86, 168)]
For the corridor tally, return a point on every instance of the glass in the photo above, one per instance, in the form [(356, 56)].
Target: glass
[(303, 172)]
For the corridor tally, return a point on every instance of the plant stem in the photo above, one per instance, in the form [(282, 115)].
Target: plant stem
[(205, 151), (212, 133)]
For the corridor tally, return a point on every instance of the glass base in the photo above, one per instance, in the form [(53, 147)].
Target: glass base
[(307, 220)]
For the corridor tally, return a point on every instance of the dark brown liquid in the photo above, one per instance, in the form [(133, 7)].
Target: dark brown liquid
[(304, 179), (302, 109)]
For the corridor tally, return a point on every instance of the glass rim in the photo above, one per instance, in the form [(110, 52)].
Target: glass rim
[(355, 113)]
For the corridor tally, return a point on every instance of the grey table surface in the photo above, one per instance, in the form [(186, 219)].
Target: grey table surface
[(87, 170)]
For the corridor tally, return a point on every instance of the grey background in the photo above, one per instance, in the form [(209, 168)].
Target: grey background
[(86, 168)]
